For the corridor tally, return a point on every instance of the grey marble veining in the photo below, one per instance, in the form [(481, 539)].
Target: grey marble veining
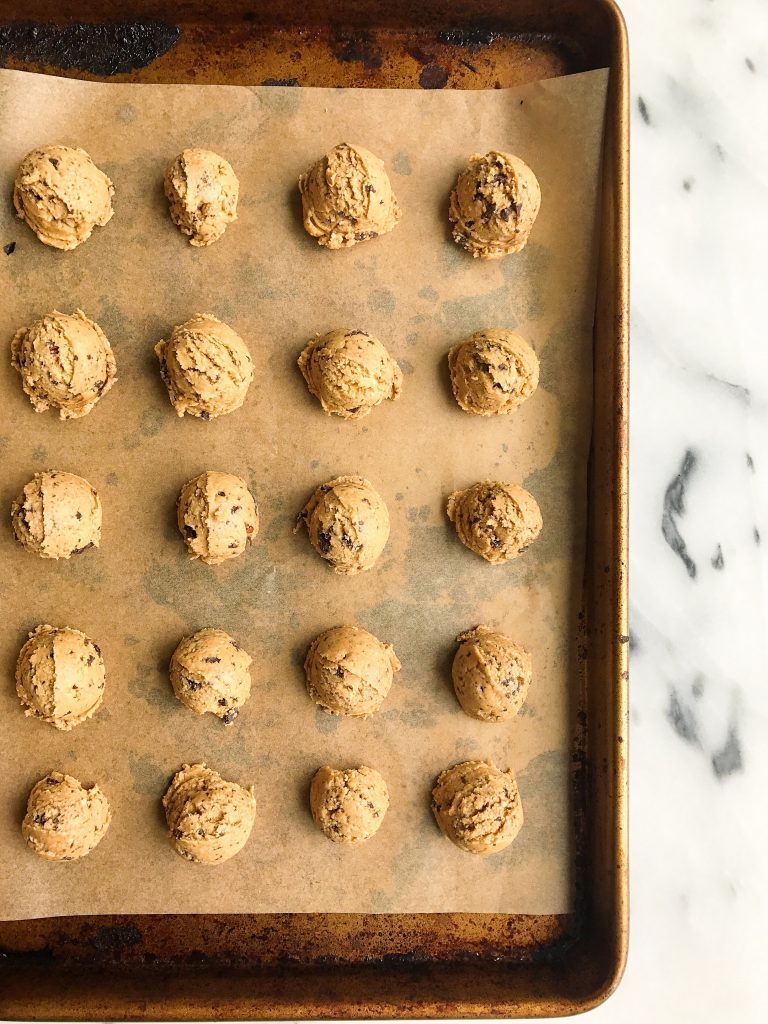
[(699, 530)]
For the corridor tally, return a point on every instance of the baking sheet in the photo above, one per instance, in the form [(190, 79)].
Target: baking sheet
[(139, 594)]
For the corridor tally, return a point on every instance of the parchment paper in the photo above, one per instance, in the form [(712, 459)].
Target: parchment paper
[(139, 594)]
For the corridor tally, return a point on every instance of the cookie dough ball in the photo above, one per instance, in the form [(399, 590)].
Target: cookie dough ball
[(57, 515), (493, 372), (347, 198), (478, 806), (209, 673), (65, 363), (60, 676), (494, 204), (217, 517), (348, 804), (202, 190), (495, 520), (62, 195), (65, 820), (348, 524), (209, 819), (491, 674), (206, 367), (349, 672), (350, 372)]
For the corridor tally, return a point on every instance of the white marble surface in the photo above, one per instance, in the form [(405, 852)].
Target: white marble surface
[(699, 449)]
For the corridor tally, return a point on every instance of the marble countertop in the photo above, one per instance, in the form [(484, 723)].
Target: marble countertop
[(699, 523)]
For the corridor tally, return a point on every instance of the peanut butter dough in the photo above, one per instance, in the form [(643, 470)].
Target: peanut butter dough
[(348, 804), (347, 198), (350, 372), (62, 195), (209, 673), (349, 672), (495, 520), (348, 524), (209, 819), (217, 517), (206, 367), (65, 820), (65, 363), (491, 674), (494, 204), (202, 190), (478, 806), (57, 515), (60, 676), (493, 372)]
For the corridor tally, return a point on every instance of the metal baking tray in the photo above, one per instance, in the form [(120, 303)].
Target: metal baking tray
[(295, 966)]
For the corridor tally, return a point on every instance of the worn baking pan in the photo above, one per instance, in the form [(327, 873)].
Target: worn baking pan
[(342, 965)]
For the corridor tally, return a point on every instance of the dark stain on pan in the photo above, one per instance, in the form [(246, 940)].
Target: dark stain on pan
[(433, 76), (280, 81), (472, 38), (101, 49), (116, 937), (356, 47)]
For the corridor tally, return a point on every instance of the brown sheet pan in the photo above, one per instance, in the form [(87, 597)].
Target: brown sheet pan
[(336, 966)]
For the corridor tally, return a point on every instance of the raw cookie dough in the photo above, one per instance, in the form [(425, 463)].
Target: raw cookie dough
[(202, 190), (493, 372), (348, 804), (494, 205), (209, 672), (65, 362), (478, 806), (495, 520), (347, 197), (349, 672), (347, 522), (350, 372), (491, 674), (217, 517), (62, 195), (65, 820), (57, 515), (60, 676), (205, 366), (209, 819)]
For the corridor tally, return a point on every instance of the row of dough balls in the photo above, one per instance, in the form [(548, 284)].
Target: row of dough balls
[(346, 196), (58, 515), (66, 363), (209, 819), (60, 674)]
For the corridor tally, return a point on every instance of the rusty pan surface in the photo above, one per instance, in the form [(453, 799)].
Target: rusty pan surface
[(365, 966)]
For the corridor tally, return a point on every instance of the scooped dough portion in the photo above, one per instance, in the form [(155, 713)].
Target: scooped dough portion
[(494, 204), (60, 676), (491, 674), (493, 372), (478, 806), (347, 198), (210, 673), (65, 820), (217, 517), (209, 819), (349, 672), (350, 372), (57, 515), (62, 195), (348, 523), (495, 520), (65, 363), (348, 804), (202, 191), (206, 367)]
